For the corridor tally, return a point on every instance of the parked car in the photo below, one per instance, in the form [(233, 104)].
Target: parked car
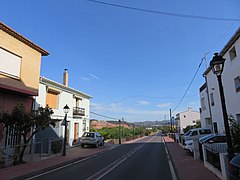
[(213, 138), (216, 140), (234, 168), (188, 146), (92, 138), (196, 133)]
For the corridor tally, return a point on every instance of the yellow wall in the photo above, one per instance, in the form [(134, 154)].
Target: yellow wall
[(30, 64)]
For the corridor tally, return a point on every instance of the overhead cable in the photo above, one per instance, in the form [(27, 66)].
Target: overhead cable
[(189, 85), (103, 115), (166, 13)]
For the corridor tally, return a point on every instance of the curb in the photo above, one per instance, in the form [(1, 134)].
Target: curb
[(57, 166), (174, 173)]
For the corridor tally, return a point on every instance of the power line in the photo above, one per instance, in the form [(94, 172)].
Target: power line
[(103, 115), (166, 13), (189, 85), (145, 96)]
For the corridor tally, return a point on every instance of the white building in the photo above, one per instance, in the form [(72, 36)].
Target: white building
[(56, 96), (186, 118), (211, 110)]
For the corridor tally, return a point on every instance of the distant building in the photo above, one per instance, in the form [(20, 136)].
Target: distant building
[(211, 110), (56, 96), (20, 61), (186, 118)]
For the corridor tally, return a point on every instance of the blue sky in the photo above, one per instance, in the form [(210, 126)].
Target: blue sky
[(136, 65)]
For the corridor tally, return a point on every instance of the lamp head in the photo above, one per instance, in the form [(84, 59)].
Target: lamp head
[(217, 64), (66, 109)]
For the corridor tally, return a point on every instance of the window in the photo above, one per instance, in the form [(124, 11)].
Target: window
[(238, 118), (10, 64), (203, 103), (237, 83), (205, 131), (215, 127), (78, 101), (232, 53), (212, 99), (194, 133), (52, 99), (184, 116)]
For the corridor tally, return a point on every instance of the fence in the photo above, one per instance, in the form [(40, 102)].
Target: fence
[(212, 154), (34, 151)]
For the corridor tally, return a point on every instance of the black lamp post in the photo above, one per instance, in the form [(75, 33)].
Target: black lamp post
[(133, 131), (119, 122), (65, 110), (217, 65)]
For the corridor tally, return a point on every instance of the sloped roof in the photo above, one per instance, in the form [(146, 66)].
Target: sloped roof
[(232, 40), (22, 39), (60, 86)]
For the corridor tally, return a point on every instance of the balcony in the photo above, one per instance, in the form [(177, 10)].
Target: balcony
[(77, 111)]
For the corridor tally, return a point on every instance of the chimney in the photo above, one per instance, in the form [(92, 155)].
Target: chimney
[(65, 78)]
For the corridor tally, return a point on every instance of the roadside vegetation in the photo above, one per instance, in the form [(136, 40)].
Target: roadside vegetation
[(123, 132), (235, 133)]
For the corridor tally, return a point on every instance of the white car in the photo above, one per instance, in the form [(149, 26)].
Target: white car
[(92, 138), (196, 133), (188, 145)]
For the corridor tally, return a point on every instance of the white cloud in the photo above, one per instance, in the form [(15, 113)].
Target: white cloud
[(94, 76), (164, 105), (85, 79), (143, 102), (90, 77)]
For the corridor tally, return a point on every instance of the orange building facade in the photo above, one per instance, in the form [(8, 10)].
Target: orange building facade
[(20, 62)]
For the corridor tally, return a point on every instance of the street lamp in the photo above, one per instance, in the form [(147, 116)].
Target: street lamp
[(133, 131), (65, 110), (119, 122), (217, 65)]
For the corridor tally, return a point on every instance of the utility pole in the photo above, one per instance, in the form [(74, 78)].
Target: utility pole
[(123, 127), (133, 132), (170, 120), (119, 135)]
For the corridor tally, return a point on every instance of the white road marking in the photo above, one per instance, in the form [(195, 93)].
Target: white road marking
[(113, 165), (56, 169), (174, 177)]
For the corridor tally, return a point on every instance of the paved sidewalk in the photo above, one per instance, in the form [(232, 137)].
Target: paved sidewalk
[(32, 168), (186, 167)]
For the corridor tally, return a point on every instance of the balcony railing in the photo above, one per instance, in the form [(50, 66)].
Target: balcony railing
[(77, 111)]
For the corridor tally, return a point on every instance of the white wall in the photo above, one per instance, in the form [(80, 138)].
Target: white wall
[(186, 118), (231, 71), (205, 114), (63, 99), (216, 109), (232, 98)]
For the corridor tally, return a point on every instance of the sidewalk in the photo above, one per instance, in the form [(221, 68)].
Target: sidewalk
[(186, 167), (32, 168)]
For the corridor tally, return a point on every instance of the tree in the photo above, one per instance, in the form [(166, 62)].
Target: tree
[(235, 132), (27, 124)]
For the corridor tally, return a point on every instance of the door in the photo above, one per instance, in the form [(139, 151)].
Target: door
[(76, 132)]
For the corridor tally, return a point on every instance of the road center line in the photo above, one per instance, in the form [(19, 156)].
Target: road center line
[(113, 165)]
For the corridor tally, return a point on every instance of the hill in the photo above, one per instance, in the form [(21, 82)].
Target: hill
[(98, 124)]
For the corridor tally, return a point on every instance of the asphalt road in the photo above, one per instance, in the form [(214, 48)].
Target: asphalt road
[(144, 159)]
